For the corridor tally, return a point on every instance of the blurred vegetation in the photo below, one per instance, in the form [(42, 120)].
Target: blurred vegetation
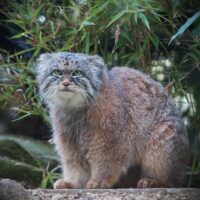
[(33, 163), (161, 38)]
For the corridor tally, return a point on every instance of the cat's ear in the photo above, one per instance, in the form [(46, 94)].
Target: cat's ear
[(41, 62), (44, 56), (97, 60)]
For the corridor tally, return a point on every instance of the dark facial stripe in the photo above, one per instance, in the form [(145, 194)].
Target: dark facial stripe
[(46, 86), (93, 86), (48, 82)]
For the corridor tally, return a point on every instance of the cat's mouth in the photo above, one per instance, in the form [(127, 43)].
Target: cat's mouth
[(71, 88), (66, 90)]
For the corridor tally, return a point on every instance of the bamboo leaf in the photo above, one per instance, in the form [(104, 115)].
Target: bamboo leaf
[(23, 34), (115, 18), (87, 43), (144, 20), (22, 52), (154, 40), (185, 26), (87, 23)]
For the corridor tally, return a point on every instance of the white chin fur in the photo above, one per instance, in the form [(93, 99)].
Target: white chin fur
[(69, 99)]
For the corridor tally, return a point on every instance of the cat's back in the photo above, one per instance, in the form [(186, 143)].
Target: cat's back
[(144, 99), (135, 84)]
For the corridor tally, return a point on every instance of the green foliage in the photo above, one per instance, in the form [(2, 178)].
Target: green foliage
[(130, 32), (21, 172), (14, 151), (32, 162)]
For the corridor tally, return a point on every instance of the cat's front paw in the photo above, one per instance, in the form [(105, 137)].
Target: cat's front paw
[(149, 183), (61, 184), (95, 184)]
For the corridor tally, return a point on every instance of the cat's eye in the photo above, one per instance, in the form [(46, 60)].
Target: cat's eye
[(57, 72), (76, 73)]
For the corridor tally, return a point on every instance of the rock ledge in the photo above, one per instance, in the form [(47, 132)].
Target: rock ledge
[(118, 194), (10, 189)]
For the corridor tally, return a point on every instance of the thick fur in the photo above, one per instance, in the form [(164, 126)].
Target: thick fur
[(111, 122)]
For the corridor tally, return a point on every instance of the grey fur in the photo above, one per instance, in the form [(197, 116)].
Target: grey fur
[(111, 122)]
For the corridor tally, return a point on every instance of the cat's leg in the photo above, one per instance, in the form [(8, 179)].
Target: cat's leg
[(165, 158), (75, 176), (75, 169), (104, 175), (107, 167)]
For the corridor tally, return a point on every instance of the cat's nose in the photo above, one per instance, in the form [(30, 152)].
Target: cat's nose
[(66, 83)]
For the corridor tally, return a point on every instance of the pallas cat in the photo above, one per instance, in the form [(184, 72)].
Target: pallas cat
[(116, 128)]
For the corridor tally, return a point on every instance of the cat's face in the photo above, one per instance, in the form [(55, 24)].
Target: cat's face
[(69, 79)]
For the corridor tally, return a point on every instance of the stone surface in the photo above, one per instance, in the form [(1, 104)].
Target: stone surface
[(11, 190), (118, 194)]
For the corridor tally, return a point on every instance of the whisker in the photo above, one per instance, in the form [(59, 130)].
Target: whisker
[(91, 99), (85, 97), (50, 93)]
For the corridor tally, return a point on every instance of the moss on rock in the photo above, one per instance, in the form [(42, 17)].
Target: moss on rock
[(27, 161), (13, 150), (29, 175)]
